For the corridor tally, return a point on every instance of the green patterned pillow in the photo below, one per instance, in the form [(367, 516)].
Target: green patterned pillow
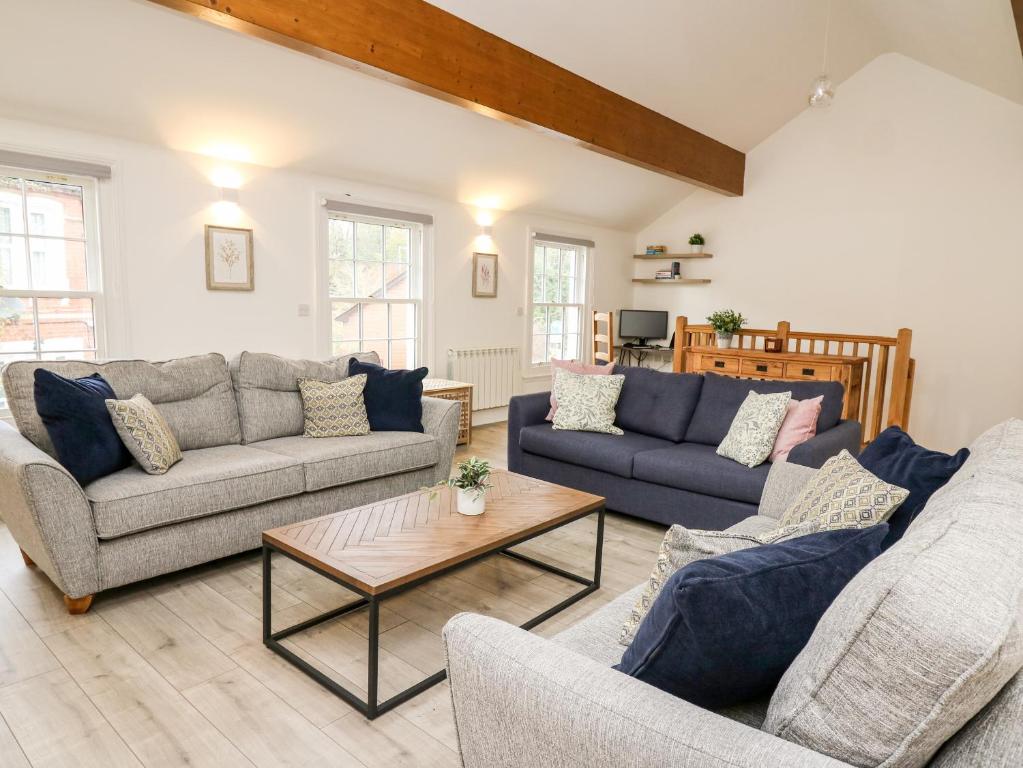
[(842, 494), (145, 434), (334, 408), (587, 403), (754, 429)]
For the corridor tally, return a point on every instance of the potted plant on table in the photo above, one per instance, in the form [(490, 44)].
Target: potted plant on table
[(471, 485), (726, 323), (696, 243)]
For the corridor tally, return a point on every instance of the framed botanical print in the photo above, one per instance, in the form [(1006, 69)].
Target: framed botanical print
[(484, 275), (229, 259)]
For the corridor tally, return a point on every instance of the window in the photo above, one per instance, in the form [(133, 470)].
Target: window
[(558, 300), (375, 269), (49, 268)]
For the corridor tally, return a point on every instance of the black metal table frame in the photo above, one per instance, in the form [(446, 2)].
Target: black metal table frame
[(371, 707)]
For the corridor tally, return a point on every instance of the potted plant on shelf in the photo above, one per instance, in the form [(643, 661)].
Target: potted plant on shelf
[(696, 243), (471, 485), (726, 323)]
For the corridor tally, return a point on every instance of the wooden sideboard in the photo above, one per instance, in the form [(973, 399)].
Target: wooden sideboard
[(784, 366)]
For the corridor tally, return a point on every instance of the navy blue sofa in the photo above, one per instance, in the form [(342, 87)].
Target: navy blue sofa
[(665, 468)]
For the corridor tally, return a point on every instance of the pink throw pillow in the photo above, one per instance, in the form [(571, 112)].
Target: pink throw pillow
[(573, 366), (800, 425)]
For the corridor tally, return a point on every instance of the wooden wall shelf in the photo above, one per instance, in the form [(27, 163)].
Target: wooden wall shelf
[(682, 281), (672, 256)]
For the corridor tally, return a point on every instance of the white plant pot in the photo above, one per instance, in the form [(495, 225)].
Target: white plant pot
[(471, 504), (696, 248), (724, 340)]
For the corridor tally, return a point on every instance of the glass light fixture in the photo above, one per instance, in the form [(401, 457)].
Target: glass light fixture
[(822, 93)]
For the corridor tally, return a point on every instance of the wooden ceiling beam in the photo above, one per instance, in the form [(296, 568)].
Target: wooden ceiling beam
[(432, 51)]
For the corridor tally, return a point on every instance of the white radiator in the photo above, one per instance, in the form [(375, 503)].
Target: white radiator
[(492, 372)]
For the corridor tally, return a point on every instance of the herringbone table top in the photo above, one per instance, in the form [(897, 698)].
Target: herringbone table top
[(384, 545)]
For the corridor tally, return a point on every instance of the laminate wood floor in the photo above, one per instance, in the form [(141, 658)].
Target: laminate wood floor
[(172, 672)]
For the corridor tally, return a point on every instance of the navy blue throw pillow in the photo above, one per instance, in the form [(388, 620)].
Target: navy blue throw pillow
[(394, 399), (724, 630), (895, 458), (76, 419)]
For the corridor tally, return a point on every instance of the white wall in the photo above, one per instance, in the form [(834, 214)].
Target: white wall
[(900, 206), (153, 213)]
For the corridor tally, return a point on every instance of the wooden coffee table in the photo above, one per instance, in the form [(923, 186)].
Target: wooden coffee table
[(380, 550)]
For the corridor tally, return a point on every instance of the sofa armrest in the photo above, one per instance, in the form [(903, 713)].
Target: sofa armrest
[(521, 700), (524, 411), (48, 514), (822, 446), (441, 419)]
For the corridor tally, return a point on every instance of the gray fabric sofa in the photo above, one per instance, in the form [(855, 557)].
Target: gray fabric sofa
[(928, 666), (246, 468), (665, 468)]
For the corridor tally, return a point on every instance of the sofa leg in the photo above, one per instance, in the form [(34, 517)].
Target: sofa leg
[(78, 605), (27, 559)]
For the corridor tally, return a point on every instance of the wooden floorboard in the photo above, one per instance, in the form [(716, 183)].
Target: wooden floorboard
[(173, 672)]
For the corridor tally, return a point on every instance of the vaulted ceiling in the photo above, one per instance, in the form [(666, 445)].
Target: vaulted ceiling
[(732, 69)]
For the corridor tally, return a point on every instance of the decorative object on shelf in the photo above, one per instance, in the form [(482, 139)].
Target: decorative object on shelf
[(822, 91), (654, 250), (676, 269), (471, 485), (696, 243), (664, 274), (774, 344), (484, 275), (726, 323), (229, 264)]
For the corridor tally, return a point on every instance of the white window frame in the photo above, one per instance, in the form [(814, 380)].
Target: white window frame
[(92, 242), (539, 370), (418, 282)]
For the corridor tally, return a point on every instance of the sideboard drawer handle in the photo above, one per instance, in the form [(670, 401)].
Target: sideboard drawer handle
[(808, 371), (719, 363), (761, 368)]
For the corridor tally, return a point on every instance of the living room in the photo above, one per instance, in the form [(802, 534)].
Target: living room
[(223, 226)]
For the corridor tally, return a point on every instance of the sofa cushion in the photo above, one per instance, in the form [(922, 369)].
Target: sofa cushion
[(269, 403), (754, 429), (606, 453), (394, 398), (145, 434), (657, 403), (193, 394), (694, 467), (587, 403), (721, 397), (928, 633), (206, 481), (330, 461)]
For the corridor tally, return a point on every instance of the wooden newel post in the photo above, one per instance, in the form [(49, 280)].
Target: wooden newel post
[(902, 381), (677, 360)]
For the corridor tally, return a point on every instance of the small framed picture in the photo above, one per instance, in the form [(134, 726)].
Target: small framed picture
[(229, 259), (484, 275)]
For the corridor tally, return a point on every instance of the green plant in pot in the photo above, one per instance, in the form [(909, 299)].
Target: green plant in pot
[(471, 485), (726, 323), (696, 243)]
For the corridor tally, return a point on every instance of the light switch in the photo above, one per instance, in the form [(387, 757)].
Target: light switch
[(520, 311), (303, 310)]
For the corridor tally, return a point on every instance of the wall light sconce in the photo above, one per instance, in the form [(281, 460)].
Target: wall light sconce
[(228, 195), (486, 230)]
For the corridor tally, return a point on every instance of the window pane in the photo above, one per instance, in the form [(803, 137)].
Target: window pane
[(554, 347), (571, 319), (403, 353), (374, 321), (572, 346), (340, 237), (59, 265), (380, 347), (17, 326), (538, 285), (11, 218), (397, 244), (369, 242), (369, 279), (84, 355), (344, 321), (568, 258), (557, 320), (66, 324), (345, 348), (539, 319), (539, 349), (13, 263), (55, 210), (551, 281), (342, 278), (403, 321), (396, 281)]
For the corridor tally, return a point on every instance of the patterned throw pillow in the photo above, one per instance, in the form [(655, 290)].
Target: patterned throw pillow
[(754, 429), (682, 546), (587, 403), (842, 494), (145, 434), (334, 408)]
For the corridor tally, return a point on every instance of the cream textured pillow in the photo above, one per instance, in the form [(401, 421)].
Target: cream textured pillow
[(587, 403), (754, 429), (145, 433), (845, 495), (334, 408)]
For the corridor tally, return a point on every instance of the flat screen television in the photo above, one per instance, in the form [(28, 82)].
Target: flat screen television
[(642, 324)]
